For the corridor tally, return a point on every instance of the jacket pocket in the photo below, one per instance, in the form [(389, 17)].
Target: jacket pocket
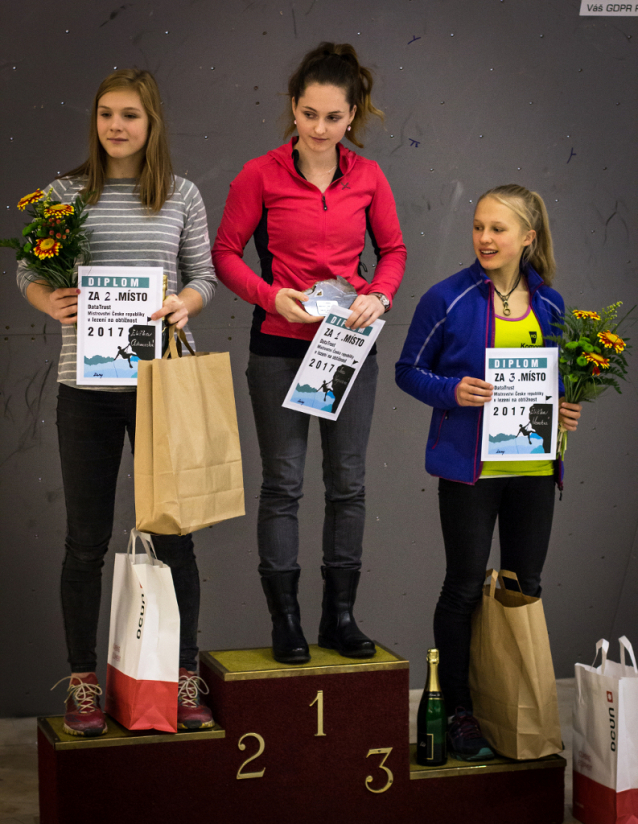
[(439, 418)]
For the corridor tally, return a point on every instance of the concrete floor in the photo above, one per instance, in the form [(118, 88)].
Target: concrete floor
[(19, 768)]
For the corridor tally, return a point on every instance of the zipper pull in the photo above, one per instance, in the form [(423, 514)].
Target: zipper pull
[(325, 208)]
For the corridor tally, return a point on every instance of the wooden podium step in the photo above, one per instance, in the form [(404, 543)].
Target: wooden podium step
[(502, 790), (328, 739), (122, 776), (324, 742)]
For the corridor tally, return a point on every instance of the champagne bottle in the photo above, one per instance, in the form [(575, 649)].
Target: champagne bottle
[(431, 748)]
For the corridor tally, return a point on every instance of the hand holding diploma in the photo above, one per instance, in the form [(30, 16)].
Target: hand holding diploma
[(60, 304), (179, 308), (473, 392), (365, 310)]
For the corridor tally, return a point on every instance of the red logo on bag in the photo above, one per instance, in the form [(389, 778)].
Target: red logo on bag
[(610, 696)]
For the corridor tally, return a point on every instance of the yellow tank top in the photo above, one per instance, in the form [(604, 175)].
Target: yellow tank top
[(512, 333)]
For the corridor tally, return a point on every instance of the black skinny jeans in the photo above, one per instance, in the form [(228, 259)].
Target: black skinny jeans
[(525, 508), (91, 428)]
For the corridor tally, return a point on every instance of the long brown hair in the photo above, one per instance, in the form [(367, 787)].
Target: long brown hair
[(156, 179), (335, 64), (529, 208)]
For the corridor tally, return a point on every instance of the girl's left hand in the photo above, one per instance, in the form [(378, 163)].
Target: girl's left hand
[(568, 414), (365, 310), (174, 309)]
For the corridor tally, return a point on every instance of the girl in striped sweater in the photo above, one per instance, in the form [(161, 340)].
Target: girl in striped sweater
[(139, 214)]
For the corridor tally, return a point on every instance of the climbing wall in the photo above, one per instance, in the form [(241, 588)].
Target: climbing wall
[(475, 95)]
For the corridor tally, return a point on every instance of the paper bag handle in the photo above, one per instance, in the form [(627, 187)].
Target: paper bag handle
[(626, 647), (175, 345), (602, 644), (146, 542), (503, 573)]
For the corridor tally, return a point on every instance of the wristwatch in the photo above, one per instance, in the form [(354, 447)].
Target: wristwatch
[(384, 301)]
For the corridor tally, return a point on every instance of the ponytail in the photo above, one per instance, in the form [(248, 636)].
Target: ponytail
[(335, 64), (530, 209)]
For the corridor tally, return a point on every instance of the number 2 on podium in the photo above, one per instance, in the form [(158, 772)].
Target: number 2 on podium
[(242, 746), (318, 700)]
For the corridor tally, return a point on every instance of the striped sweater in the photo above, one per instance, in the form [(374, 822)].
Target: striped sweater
[(124, 233)]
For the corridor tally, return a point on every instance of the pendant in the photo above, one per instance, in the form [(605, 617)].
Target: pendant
[(506, 309)]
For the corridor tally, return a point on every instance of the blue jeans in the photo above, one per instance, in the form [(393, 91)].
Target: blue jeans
[(525, 508), (91, 429), (283, 439)]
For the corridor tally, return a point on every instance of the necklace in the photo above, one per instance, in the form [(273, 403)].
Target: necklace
[(327, 172), (506, 309)]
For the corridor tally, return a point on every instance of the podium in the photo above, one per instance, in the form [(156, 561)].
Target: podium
[(324, 742)]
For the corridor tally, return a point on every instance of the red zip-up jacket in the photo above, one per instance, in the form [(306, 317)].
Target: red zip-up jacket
[(310, 236)]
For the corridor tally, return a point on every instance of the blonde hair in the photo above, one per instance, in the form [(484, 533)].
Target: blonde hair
[(529, 208), (335, 64), (156, 180)]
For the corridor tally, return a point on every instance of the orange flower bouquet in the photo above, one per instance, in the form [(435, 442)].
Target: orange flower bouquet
[(53, 241), (592, 356)]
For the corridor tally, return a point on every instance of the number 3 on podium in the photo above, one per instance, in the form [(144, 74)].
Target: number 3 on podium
[(370, 779)]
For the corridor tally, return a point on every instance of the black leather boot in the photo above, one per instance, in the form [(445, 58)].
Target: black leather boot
[(288, 643), (338, 629)]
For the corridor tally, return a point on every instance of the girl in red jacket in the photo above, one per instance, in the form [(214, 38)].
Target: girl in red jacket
[(308, 205)]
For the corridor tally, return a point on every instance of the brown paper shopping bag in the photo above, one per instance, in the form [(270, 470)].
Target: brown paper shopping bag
[(511, 673), (188, 472)]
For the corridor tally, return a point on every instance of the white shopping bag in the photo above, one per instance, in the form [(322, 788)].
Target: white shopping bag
[(606, 740), (143, 660)]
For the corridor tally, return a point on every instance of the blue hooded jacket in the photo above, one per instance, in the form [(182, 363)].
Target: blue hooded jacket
[(452, 326)]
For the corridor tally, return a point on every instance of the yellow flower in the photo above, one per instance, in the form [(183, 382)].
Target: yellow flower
[(59, 210), (46, 248), (32, 198), (582, 314), (598, 361), (611, 341)]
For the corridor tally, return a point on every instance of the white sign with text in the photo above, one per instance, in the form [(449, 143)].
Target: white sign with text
[(115, 331), (520, 423), (331, 365), (589, 9)]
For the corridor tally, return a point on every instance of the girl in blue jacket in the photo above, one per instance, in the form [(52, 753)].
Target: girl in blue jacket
[(503, 300)]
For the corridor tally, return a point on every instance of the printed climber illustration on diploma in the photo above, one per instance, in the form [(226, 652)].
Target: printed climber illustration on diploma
[(521, 420), (115, 331)]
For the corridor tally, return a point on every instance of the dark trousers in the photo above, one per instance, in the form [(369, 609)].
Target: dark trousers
[(525, 507), (283, 439), (91, 429)]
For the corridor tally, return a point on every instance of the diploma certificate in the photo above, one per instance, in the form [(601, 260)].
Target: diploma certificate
[(520, 423), (331, 365), (114, 327)]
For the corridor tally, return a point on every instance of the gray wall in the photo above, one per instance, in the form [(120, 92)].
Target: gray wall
[(494, 92)]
